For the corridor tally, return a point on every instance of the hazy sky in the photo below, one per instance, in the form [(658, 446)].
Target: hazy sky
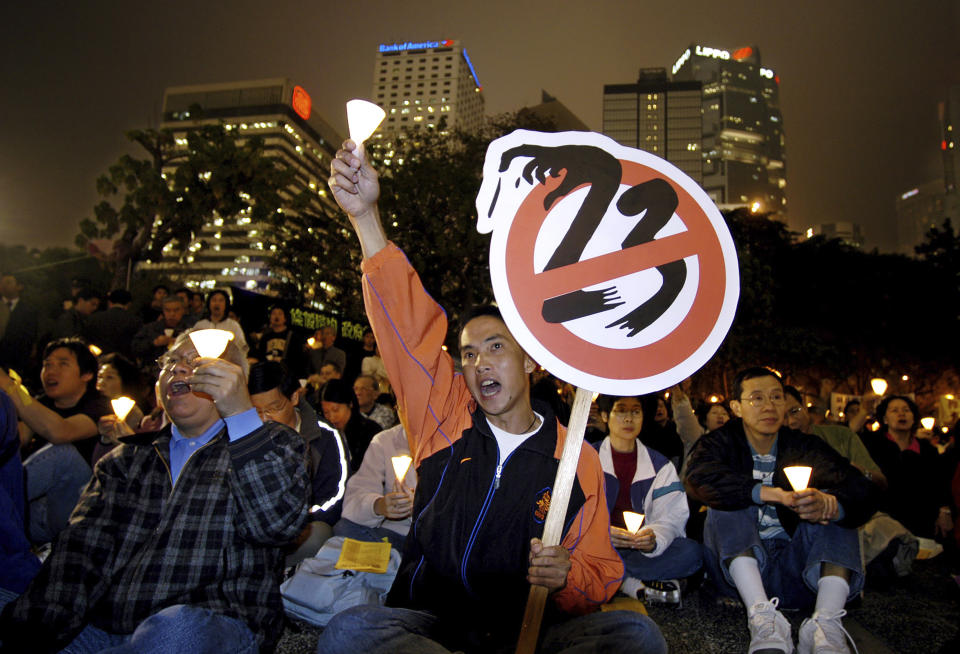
[(859, 80)]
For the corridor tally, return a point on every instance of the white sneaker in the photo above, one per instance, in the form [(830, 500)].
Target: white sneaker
[(823, 633), (769, 630)]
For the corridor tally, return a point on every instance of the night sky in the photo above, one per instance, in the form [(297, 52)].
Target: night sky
[(860, 81)]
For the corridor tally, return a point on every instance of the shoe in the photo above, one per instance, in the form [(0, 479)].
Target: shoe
[(662, 592), (769, 630), (823, 633)]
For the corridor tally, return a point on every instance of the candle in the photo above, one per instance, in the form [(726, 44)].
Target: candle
[(211, 343), (400, 466), (122, 406), (633, 521), (799, 476), (363, 118)]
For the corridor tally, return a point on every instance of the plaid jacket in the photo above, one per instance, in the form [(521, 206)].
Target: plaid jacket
[(136, 543)]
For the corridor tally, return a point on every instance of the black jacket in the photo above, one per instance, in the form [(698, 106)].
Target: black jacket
[(720, 474), (465, 558)]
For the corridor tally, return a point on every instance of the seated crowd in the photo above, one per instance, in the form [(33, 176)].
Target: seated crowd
[(174, 527)]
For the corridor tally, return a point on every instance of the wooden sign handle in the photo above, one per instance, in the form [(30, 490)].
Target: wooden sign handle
[(553, 525)]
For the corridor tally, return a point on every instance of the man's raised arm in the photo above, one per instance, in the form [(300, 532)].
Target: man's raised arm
[(354, 184)]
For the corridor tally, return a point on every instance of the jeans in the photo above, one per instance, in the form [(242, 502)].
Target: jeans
[(55, 476), (383, 630), (356, 531), (790, 568), (682, 558), (179, 628)]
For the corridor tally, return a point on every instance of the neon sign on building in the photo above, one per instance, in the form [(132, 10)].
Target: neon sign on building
[(415, 45)]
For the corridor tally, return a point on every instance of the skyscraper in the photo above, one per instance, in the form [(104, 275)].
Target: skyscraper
[(233, 250), (658, 116), (743, 149), (419, 84)]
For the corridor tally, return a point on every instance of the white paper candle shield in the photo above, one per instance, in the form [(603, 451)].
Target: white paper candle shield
[(927, 422), (400, 466), (799, 476), (633, 521), (878, 385), (363, 118), (122, 406), (211, 343), (94, 350)]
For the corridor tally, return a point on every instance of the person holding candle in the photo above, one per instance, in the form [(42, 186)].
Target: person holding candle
[(918, 495), (764, 539), (377, 505), (175, 545), (486, 461), (60, 428), (642, 480)]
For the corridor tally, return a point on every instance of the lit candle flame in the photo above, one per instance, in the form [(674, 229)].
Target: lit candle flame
[(400, 466), (633, 521), (211, 343), (122, 407), (363, 118), (94, 350), (799, 476)]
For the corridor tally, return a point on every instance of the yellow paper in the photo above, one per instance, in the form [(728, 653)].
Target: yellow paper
[(363, 556), (21, 389)]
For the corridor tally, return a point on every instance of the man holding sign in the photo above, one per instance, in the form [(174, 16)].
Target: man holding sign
[(486, 463), (766, 535)]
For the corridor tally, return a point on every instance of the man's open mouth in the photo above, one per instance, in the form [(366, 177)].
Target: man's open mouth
[(178, 388), (489, 387)]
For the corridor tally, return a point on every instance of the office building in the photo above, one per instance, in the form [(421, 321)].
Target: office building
[(234, 250), (918, 210), (743, 149), (659, 116), (849, 233), (425, 85), (554, 112)]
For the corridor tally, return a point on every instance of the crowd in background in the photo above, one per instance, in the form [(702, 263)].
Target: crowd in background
[(106, 346)]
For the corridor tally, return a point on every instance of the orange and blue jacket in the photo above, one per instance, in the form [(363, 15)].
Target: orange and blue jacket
[(466, 557)]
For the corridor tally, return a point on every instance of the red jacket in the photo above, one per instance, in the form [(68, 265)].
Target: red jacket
[(466, 556)]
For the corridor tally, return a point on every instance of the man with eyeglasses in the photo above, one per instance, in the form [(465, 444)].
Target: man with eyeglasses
[(175, 544), (763, 539)]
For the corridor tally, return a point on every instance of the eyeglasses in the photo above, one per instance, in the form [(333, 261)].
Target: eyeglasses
[(168, 362), (758, 399), (795, 411), (636, 414)]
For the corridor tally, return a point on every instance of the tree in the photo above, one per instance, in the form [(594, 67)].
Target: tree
[(216, 174), (427, 201)]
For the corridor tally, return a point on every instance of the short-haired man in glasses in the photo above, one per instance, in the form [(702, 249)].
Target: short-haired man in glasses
[(765, 542), (175, 544)]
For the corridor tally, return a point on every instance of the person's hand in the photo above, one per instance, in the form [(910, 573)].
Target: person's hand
[(396, 505), (677, 394), (813, 505), (644, 540), (224, 383), (548, 565), (7, 385), (353, 181), (112, 429), (944, 524)]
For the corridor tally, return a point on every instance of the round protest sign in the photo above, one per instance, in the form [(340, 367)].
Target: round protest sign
[(612, 268)]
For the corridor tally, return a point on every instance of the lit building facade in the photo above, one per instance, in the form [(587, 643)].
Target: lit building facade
[(233, 250), (743, 146), (847, 232), (419, 84), (659, 116), (918, 210)]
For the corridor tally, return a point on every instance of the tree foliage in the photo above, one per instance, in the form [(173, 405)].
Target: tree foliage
[(143, 209), (427, 201)]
